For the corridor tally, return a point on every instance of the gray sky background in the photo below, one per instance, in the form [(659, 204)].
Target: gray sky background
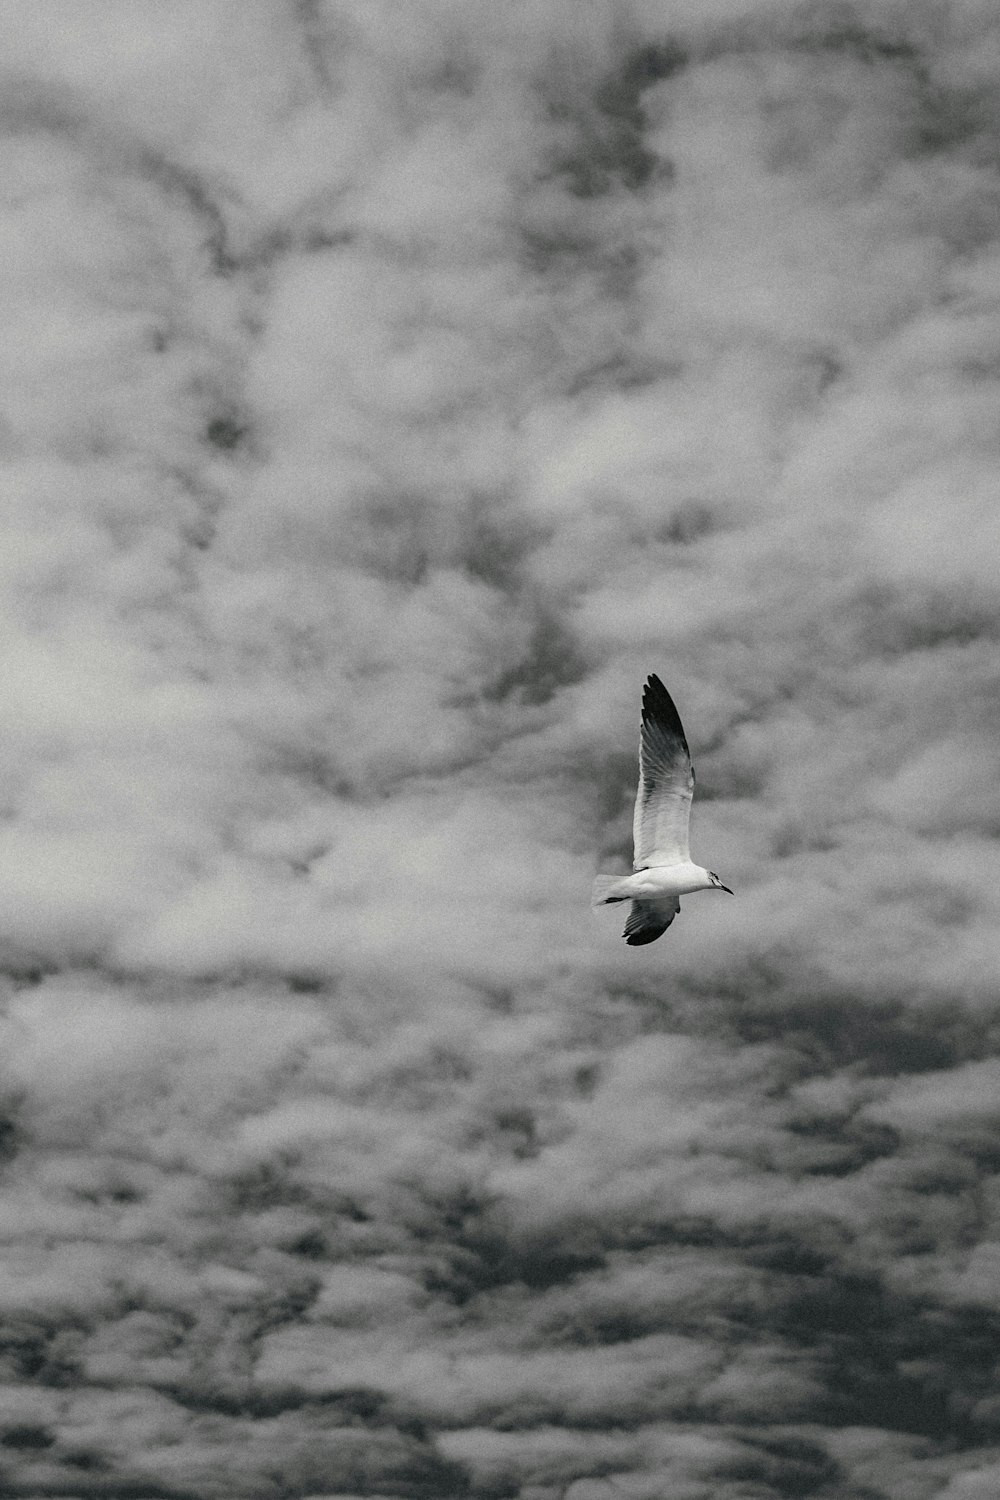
[(385, 390)]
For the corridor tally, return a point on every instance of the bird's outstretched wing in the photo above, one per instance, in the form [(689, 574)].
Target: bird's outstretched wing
[(666, 783), (649, 920)]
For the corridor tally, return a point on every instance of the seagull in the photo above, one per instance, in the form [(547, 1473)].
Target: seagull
[(663, 868)]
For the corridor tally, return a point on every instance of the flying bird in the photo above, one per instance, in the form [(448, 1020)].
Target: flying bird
[(663, 868)]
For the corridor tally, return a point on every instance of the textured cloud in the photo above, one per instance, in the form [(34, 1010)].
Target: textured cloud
[(383, 393)]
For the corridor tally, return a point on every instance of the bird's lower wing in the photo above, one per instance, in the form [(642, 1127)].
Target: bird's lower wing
[(649, 920)]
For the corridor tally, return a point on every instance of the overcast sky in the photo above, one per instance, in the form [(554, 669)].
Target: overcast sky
[(386, 388)]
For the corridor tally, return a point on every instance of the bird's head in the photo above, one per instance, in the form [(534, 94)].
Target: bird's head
[(717, 884)]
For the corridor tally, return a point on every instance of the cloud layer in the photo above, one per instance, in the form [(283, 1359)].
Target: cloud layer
[(383, 393)]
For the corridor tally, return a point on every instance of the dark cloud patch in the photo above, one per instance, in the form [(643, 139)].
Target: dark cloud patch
[(609, 151), (25, 1435), (552, 660), (892, 621), (792, 1466), (35, 1350), (226, 431), (842, 30), (883, 1035), (10, 1136), (496, 546)]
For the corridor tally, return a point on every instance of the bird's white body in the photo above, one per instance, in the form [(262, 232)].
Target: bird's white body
[(664, 870), (657, 881)]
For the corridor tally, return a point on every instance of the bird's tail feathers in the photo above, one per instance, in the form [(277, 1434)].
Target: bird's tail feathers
[(609, 888)]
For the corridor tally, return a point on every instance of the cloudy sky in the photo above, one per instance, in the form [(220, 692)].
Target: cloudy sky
[(385, 389)]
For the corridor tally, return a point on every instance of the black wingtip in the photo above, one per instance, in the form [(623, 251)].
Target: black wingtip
[(637, 939), (659, 707)]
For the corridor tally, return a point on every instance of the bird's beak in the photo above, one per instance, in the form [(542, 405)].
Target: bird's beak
[(726, 889)]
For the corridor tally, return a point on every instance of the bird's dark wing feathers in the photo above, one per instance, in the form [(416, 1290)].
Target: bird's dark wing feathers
[(659, 712), (649, 920), (666, 781)]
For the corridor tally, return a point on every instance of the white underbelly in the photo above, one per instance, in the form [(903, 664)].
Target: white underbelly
[(666, 880)]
